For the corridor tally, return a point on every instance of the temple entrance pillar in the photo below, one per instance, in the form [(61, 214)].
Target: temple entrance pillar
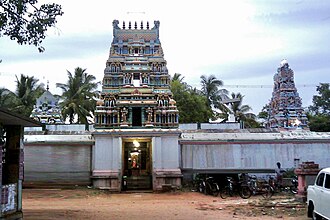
[(166, 168), (106, 161)]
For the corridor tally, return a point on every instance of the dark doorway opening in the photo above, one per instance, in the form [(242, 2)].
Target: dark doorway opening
[(137, 164), (136, 116), (136, 76)]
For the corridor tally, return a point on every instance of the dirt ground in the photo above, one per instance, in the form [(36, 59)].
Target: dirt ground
[(97, 204)]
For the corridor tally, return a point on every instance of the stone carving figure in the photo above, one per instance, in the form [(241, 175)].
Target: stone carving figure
[(157, 23), (115, 24), (166, 101), (123, 114), (144, 79), (160, 101), (149, 111), (128, 78), (112, 102)]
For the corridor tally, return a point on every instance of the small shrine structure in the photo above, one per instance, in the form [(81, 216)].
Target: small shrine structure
[(46, 109), (306, 172), (285, 110), (136, 118)]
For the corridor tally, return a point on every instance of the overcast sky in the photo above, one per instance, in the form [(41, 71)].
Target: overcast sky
[(240, 42)]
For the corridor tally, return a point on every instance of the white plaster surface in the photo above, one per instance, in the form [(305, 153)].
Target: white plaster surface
[(165, 152), (253, 155), (107, 153), (58, 138), (289, 135)]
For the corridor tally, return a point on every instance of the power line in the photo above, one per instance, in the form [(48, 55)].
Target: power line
[(264, 86)]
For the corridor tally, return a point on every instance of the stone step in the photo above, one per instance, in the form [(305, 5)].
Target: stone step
[(138, 182)]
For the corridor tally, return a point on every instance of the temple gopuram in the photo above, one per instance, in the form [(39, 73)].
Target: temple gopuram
[(136, 84), (136, 118), (285, 110), (46, 109)]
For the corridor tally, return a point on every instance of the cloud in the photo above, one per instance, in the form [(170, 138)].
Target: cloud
[(289, 14), (61, 48), (241, 42)]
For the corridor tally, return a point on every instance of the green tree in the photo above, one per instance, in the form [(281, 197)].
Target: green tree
[(192, 106), (264, 114), (78, 96), (6, 98), (321, 102), (250, 121), (27, 91), (210, 89), (319, 111), (26, 21), (178, 77), (241, 112), (319, 123)]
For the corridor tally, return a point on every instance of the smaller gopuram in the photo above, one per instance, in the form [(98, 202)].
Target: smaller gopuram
[(46, 109), (285, 110)]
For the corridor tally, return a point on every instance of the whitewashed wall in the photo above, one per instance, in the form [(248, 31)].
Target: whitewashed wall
[(228, 151), (165, 152), (57, 164), (253, 156)]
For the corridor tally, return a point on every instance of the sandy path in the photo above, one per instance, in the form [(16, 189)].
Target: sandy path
[(95, 204)]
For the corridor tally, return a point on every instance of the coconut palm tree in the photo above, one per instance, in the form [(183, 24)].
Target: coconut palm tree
[(178, 77), (78, 96), (210, 89), (214, 95), (240, 111), (27, 91)]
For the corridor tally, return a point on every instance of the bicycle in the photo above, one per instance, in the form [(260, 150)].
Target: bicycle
[(206, 185), (245, 192), (242, 187), (199, 183), (260, 187), (211, 186), (228, 190), (288, 188)]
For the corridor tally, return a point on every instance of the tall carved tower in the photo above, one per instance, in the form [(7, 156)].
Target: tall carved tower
[(285, 106), (136, 84)]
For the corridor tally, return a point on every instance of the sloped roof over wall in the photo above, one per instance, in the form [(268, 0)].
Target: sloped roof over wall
[(9, 118)]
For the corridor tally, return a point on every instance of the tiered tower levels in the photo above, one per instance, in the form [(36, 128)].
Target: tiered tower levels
[(285, 106), (136, 84)]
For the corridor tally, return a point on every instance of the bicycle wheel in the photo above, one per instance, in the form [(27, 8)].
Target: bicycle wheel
[(225, 192), (201, 187), (293, 189), (245, 192), (267, 192), (213, 189)]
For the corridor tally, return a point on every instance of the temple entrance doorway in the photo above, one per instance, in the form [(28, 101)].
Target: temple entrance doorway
[(136, 117), (137, 173)]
